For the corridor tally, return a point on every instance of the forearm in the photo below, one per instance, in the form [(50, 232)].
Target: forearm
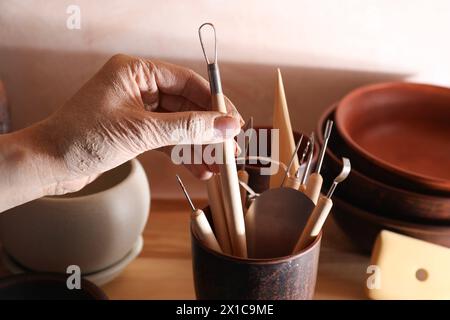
[(25, 167)]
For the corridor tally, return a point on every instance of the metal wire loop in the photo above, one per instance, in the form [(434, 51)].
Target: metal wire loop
[(211, 26)]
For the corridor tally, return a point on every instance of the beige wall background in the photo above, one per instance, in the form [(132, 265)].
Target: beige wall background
[(323, 47)]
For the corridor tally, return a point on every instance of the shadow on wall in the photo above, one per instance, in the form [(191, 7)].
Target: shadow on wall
[(39, 81)]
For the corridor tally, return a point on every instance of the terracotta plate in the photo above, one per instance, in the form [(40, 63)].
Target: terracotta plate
[(403, 128)]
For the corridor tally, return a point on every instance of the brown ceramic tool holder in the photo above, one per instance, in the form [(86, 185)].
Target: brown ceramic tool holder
[(218, 276), (259, 183)]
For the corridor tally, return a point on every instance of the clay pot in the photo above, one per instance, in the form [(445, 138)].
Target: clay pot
[(93, 228), (362, 226), (402, 128), (364, 188)]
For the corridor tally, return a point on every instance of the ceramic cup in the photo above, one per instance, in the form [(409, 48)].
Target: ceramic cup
[(219, 276), (93, 228)]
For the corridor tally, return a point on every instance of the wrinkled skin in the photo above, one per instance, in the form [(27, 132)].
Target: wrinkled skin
[(129, 106)]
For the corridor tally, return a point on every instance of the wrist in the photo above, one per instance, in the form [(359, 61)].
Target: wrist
[(43, 156), (28, 162)]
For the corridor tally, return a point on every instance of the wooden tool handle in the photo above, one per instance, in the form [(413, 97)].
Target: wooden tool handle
[(243, 176), (203, 230), (292, 182), (314, 224), (302, 188), (218, 213), (230, 190), (313, 187)]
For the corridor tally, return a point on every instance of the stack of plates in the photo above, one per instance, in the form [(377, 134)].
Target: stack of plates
[(397, 136)]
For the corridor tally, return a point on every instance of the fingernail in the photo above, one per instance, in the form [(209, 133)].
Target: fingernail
[(236, 114), (226, 126)]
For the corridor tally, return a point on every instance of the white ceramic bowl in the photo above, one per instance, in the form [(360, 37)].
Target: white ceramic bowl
[(93, 228)]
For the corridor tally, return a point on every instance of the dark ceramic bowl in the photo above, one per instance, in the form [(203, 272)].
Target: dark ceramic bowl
[(218, 276), (362, 227), (401, 128), (46, 286), (365, 189)]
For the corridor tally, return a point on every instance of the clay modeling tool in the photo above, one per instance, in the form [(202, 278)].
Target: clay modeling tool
[(274, 221), (304, 179), (286, 142), (407, 268), (293, 182), (242, 174), (214, 190), (294, 155), (228, 172), (302, 161), (252, 195), (321, 211), (200, 224), (315, 181)]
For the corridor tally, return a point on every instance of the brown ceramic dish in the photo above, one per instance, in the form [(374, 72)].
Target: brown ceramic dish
[(403, 128), (218, 276), (362, 227), (365, 190)]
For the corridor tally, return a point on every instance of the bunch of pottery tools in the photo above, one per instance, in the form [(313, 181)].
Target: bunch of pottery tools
[(294, 194)]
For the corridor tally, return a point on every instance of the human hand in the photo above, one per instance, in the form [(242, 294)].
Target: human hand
[(130, 106)]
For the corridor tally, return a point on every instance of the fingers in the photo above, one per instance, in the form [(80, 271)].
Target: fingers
[(171, 103), (176, 81), (233, 111), (179, 81), (193, 127)]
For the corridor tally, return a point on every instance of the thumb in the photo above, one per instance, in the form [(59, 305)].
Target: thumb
[(194, 127)]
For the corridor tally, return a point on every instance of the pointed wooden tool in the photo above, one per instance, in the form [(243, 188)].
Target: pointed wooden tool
[(218, 213), (286, 143)]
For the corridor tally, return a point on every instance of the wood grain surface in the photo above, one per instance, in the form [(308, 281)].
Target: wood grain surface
[(164, 271)]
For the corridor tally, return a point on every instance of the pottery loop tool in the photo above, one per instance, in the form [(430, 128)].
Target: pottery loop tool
[(200, 224), (305, 175), (294, 155), (315, 181), (321, 210), (242, 174), (232, 203)]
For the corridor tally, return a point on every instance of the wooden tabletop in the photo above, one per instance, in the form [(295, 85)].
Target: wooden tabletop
[(163, 270)]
